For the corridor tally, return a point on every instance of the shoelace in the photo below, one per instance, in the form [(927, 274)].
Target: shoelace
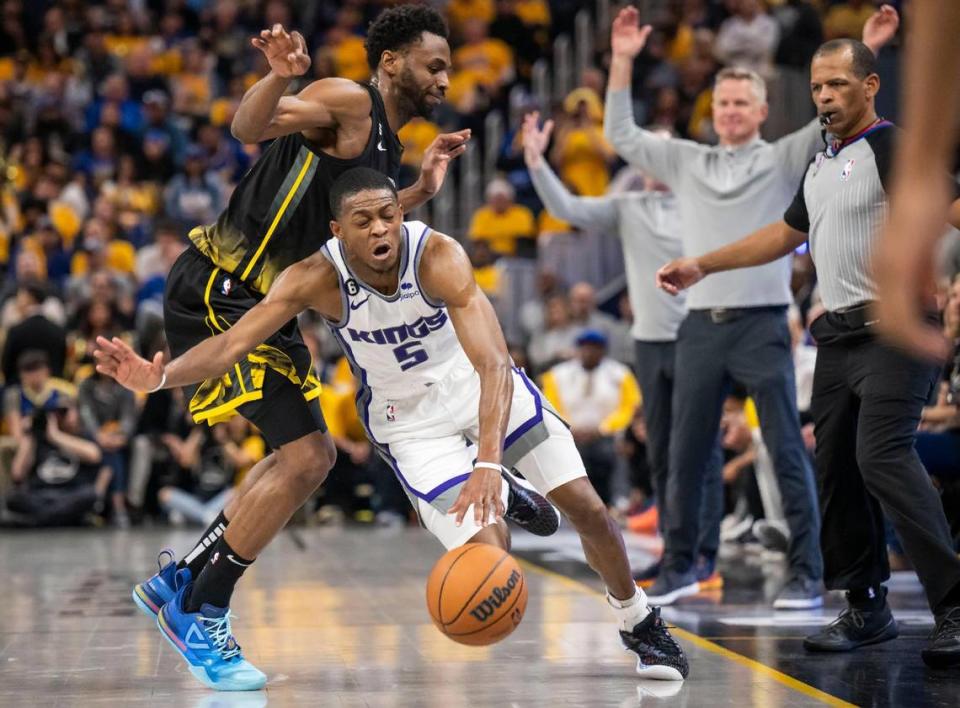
[(219, 630), (658, 636), (849, 615), (662, 639), (949, 623)]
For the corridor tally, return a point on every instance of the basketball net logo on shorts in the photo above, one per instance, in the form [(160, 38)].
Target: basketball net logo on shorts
[(227, 286), (495, 599), (391, 413)]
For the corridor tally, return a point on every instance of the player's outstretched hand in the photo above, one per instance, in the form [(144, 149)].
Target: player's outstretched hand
[(881, 27), (679, 275), (904, 270), (286, 52), (116, 359), (535, 139), (482, 490), (628, 38), (445, 148)]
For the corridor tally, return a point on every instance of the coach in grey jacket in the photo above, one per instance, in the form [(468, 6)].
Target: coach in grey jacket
[(648, 225), (737, 325)]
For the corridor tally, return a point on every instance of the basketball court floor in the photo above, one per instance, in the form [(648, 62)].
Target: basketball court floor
[(337, 617)]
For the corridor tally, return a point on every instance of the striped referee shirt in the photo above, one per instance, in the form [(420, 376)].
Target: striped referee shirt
[(841, 203)]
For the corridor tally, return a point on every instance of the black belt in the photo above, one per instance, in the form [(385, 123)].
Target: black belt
[(725, 315), (856, 317)]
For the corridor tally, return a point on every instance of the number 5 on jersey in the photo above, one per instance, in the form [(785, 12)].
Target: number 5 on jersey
[(410, 354)]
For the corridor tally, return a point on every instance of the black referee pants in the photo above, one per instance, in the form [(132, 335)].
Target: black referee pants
[(867, 399)]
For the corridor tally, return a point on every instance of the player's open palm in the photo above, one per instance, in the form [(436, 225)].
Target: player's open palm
[(881, 27), (535, 138), (445, 148), (679, 275), (116, 359), (286, 52), (628, 38), (482, 490)]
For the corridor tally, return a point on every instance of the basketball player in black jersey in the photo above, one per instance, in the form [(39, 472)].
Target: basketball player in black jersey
[(279, 215)]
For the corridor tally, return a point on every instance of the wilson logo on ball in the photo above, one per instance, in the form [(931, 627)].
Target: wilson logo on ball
[(498, 597)]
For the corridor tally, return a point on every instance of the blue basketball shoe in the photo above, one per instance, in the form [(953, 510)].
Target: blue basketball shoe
[(205, 640), (155, 592)]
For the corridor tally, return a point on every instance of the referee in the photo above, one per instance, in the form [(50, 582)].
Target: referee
[(867, 397)]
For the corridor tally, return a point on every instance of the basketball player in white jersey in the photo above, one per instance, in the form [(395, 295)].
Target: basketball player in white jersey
[(439, 396)]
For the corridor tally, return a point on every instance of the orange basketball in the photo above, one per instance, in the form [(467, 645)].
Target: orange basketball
[(476, 594)]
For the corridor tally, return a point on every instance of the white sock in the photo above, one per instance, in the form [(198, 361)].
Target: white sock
[(629, 612)]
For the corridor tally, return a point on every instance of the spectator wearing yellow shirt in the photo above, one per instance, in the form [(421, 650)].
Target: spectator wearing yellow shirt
[(460, 12), (193, 88), (580, 149), (125, 36), (847, 19), (507, 226), (98, 249), (485, 270), (533, 13), (484, 61), (598, 397), (415, 137), (346, 46)]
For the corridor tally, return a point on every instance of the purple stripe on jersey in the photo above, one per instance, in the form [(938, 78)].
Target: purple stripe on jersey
[(537, 415), (416, 271), (440, 489)]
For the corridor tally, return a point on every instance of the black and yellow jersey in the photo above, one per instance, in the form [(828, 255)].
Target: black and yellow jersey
[(279, 212)]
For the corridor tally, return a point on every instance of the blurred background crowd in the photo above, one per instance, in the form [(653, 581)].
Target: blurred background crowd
[(115, 141)]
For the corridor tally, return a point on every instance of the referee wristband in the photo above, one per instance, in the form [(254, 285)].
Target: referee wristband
[(160, 385), (488, 466)]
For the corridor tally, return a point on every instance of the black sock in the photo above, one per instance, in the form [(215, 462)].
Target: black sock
[(197, 558), (215, 583), (869, 598)]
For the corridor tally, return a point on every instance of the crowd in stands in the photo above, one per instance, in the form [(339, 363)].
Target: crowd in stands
[(115, 142)]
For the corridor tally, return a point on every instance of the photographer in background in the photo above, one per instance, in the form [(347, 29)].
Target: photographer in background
[(55, 471), (38, 391)]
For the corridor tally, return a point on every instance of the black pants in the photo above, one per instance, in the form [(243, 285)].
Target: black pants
[(867, 399), (754, 349), (600, 458), (655, 368), (52, 506)]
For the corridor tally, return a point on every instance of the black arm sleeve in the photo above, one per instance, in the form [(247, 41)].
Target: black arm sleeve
[(882, 142), (796, 215)]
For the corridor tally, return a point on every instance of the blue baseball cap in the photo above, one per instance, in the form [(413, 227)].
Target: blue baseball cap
[(592, 336)]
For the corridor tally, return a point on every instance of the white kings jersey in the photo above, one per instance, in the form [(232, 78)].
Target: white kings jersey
[(398, 345)]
